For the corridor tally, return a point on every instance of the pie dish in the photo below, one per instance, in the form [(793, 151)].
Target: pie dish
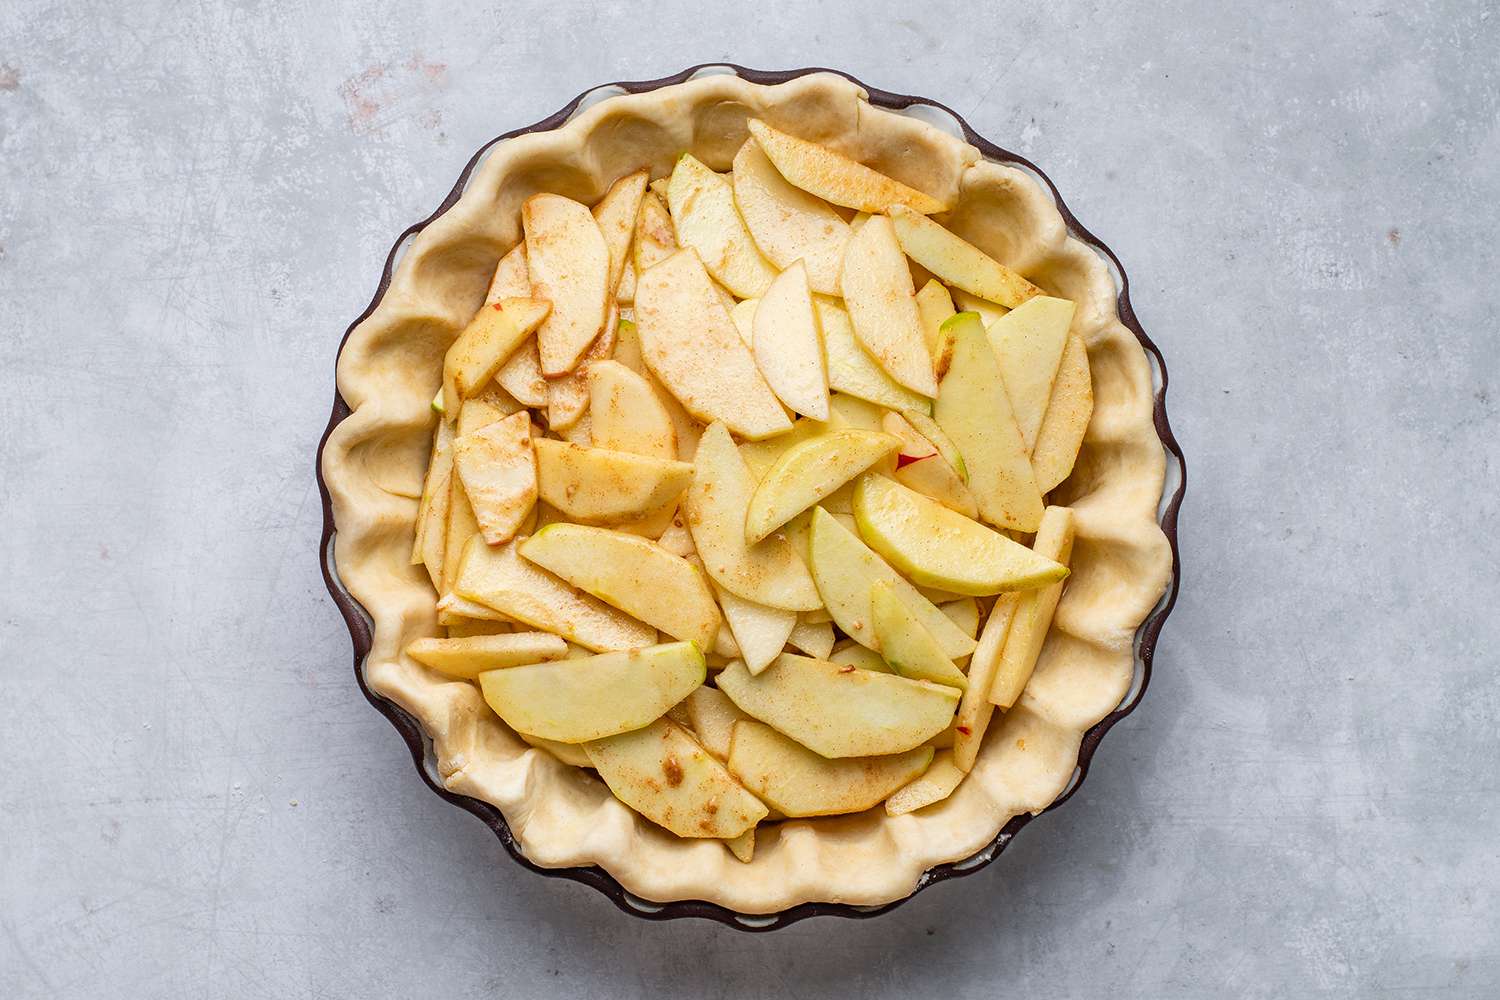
[(554, 817)]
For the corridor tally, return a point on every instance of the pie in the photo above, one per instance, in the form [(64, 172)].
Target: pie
[(753, 491)]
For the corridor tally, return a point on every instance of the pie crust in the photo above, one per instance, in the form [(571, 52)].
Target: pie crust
[(373, 462)]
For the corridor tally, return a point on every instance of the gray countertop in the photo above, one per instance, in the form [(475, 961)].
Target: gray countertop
[(195, 200)]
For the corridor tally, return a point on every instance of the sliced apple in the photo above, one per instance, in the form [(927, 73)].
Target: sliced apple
[(628, 352), (906, 645), (676, 538), (789, 224), (929, 429), (499, 578), (1054, 540), (490, 404), (627, 415), (975, 710), (882, 304), (462, 526), (569, 264), (601, 486), (1028, 343), (936, 784), (852, 371), (521, 375), (464, 628), (568, 753), (922, 467), (491, 337), (813, 638), (662, 773), (845, 570), (625, 290), (788, 345), (767, 572), (703, 213), (655, 237), (578, 700), (938, 547), (743, 846), (973, 409), (690, 344), (439, 467), (957, 261), (840, 711), (512, 278), (743, 315), (760, 632), (467, 658), (834, 177), (1067, 417), (760, 456), (712, 716), (988, 311), (498, 469), (724, 644), (797, 782), (851, 654), (810, 471), (615, 215), (934, 308), (964, 613), (568, 395)]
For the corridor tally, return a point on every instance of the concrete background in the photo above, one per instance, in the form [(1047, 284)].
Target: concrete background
[(195, 200)]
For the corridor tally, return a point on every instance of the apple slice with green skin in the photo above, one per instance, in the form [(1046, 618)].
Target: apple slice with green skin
[(921, 466), (655, 236), (760, 456), (768, 572), (788, 346), (640, 578), (853, 372), (797, 782), (834, 177), (1054, 540), (498, 469), (491, 336), (690, 344), (906, 645), (939, 782), (467, 658), (813, 638), (662, 773), (760, 633), (569, 265), (929, 429), (626, 413), (839, 710), (1067, 417), (882, 304), (973, 409), (616, 214), (712, 716), (703, 212), (851, 653), (938, 547), (499, 578), (787, 223), (602, 486), (810, 471), (845, 569), (934, 308), (957, 261), (1028, 343), (578, 700)]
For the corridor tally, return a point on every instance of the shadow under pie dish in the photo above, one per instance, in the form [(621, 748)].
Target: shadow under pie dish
[(558, 817)]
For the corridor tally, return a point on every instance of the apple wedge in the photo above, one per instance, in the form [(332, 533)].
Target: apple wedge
[(906, 645), (615, 215), (627, 414), (1067, 417), (703, 213), (628, 352), (568, 753), (569, 265), (712, 716), (851, 654), (743, 846), (938, 547), (690, 344), (639, 577), (988, 311), (1054, 540), (467, 658), (845, 570), (600, 486), (964, 613), (935, 785), (578, 700), (662, 773), (760, 456), (922, 467), (973, 409), (743, 315), (491, 336), (882, 304), (520, 374), (787, 223), (500, 578), (655, 237), (1029, 342), (975, 710), (834, 177), (797, 782), (434, 484), (957, 261), (852, 371), (788, 345), (462, 526), (488, 405), (810, 471), (840, 711), (498, 469), (934, 308), (768, 572), (512, 279), (813, 638), (760, 632), (568, 395)]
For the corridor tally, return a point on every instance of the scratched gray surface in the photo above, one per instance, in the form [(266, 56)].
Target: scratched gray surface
[(195, 199)]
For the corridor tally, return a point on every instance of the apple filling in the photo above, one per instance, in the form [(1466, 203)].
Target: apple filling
[(722, 507)]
